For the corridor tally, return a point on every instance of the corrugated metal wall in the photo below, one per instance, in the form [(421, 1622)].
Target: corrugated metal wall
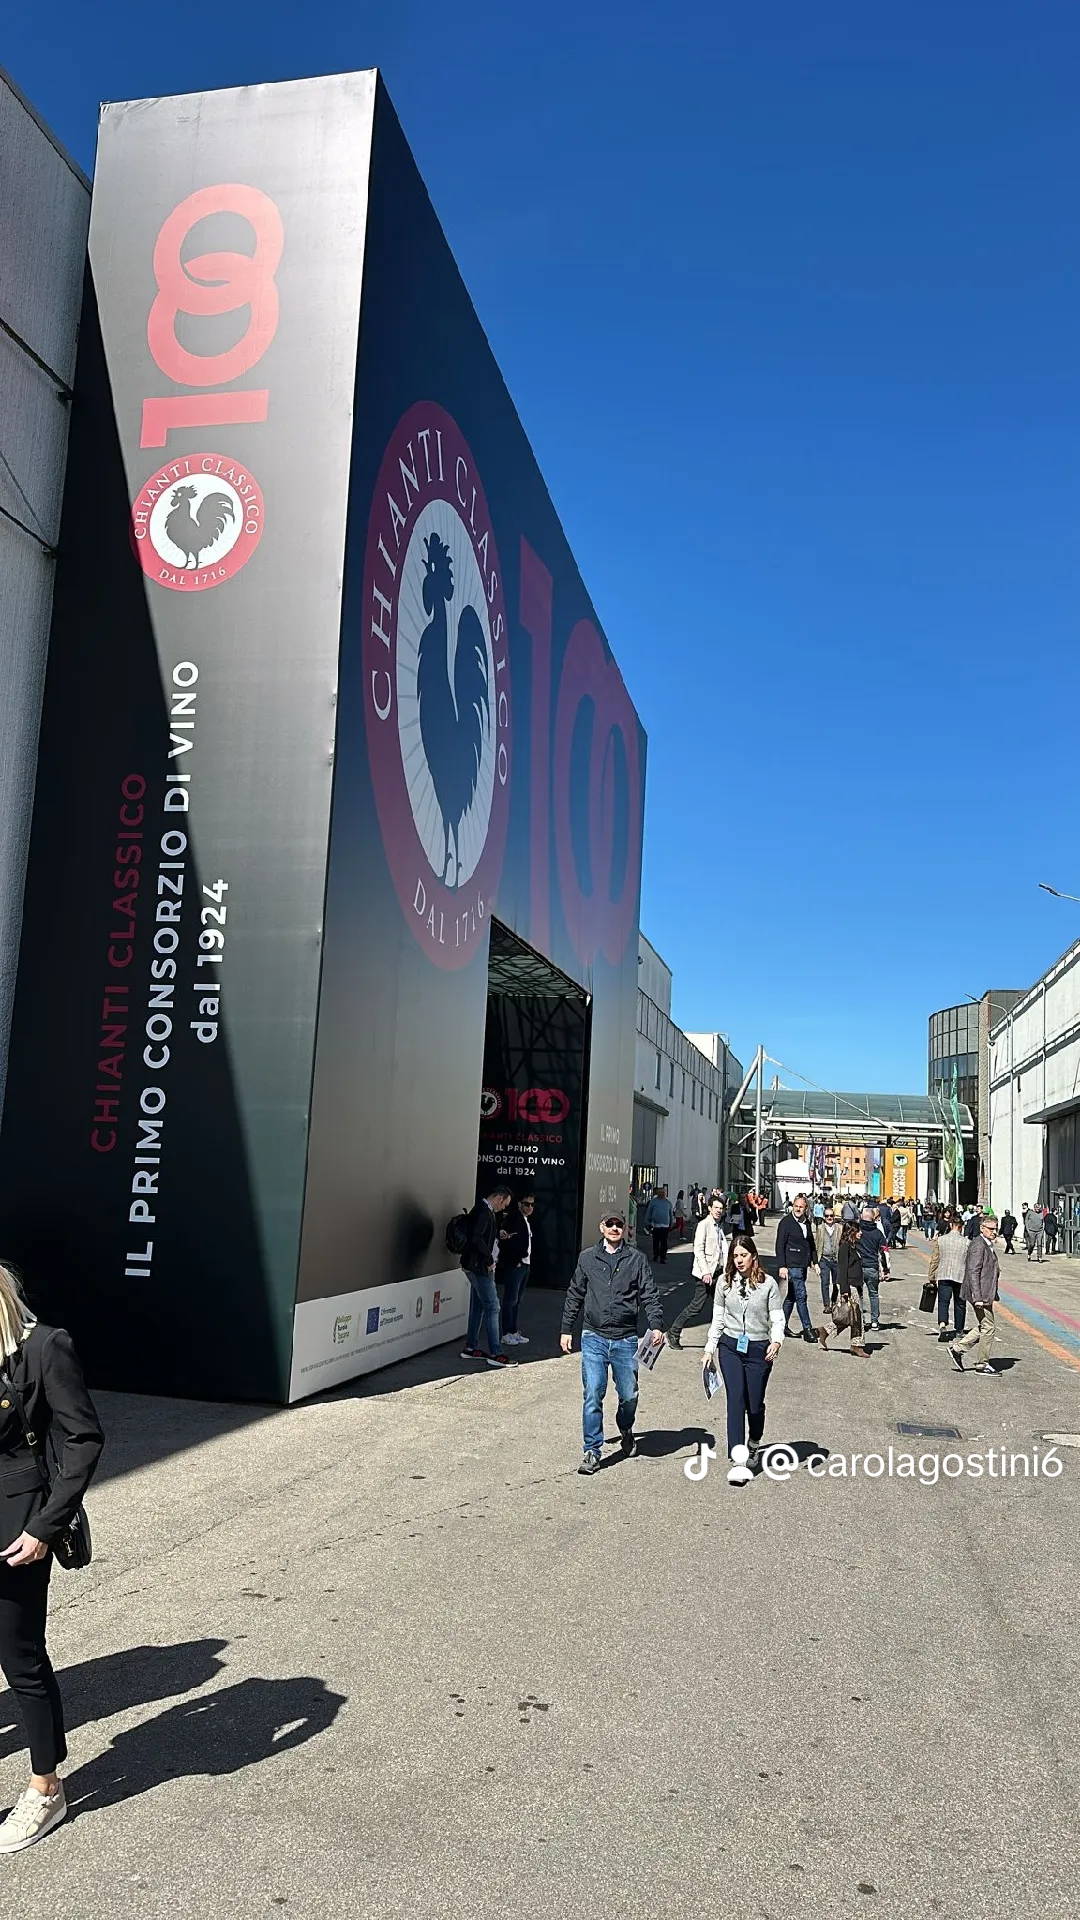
[(44, 211)]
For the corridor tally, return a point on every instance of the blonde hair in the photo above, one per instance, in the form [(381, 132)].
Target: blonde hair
[(16, 1318)]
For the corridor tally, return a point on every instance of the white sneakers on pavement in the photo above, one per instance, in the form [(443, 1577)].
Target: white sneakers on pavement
[(515, 1340), (31, 1818)]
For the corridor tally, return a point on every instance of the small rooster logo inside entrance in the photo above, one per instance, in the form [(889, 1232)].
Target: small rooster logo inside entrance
[(453, 700), (194, 531)]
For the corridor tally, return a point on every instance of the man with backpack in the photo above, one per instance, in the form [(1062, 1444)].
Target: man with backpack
[(474, 1237)]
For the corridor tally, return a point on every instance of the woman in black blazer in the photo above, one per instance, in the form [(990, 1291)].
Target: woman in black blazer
[(40, 1364)]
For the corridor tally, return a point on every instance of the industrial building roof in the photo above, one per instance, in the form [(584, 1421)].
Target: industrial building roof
[(857, 1116)]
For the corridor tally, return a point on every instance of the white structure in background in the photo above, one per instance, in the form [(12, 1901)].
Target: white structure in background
[(679, 1086), (792, 1177), (1034, 1077), (44, 213)]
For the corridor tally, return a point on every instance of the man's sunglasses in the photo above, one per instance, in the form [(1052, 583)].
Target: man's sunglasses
[(614, 1220)]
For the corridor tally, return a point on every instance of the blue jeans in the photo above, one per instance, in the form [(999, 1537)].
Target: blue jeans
[(597, 1355), (944, 1289), (483, 1306), (871, 1277), (829, 1270), (515, 1281), (796, 1297)]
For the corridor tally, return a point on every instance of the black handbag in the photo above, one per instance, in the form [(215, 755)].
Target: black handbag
[(73, 1548), (928, 1296)]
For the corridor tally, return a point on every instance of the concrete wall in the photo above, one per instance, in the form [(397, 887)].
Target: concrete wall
[(1034, 1066), (44, 212), (654, 975), (690, 1095)]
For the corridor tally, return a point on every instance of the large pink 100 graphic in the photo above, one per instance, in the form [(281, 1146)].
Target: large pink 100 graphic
[(437, 684)]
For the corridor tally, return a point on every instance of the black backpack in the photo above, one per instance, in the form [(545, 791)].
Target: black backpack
[(457, 1234)]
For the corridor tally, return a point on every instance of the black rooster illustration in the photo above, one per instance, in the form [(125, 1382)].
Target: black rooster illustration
[(455, 710), (194, 532)]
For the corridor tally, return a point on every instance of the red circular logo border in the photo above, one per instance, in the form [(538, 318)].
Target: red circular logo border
[(446, 924), (173, 473)]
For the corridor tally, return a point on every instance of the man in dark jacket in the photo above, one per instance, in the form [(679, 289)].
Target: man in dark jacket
[(613, 1282), (1008, 1225), (871, 1246), (515, 1262), (478, 1266), (796, 1253)]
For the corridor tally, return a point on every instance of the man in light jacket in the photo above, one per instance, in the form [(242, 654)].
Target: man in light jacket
[(1033, 1233), (710, 1252), (829, 1257), (980, 1287)]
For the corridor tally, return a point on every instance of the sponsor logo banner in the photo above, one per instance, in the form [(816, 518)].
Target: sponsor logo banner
[(335, 1340)]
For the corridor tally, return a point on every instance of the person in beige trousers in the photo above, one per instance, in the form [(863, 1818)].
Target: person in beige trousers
[(980, 1289)]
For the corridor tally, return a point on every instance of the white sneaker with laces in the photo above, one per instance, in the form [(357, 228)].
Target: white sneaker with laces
[(31, 1818)]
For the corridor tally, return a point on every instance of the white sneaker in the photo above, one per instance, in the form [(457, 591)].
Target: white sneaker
[(511, 1340), (31, 1818), (521, 1339)]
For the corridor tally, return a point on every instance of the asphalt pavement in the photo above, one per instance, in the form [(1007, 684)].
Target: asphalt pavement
[(387, 1654)]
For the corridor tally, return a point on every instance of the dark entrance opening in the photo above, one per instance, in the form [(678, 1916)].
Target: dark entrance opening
[(532, 1107)]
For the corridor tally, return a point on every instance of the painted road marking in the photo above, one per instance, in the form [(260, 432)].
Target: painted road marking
[(1025, 1322)]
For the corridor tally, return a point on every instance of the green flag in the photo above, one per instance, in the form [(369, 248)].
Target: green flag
[(955, 1106)]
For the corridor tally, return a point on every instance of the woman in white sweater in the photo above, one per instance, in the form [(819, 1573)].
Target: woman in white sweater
[(746, 1334)]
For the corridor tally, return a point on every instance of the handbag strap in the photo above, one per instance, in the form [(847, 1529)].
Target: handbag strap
[(30, 1436)]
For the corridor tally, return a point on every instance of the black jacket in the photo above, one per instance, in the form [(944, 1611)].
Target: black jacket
[(61, 1414), (483, 1230), (791, 1249), (848, 1267), (515, 1248), (612, 1292), (1008, 1224)]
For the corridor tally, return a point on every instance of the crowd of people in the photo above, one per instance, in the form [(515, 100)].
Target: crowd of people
[(750, 1312)]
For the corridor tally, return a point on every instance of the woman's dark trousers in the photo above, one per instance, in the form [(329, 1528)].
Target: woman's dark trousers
[(24, 1599), (746, 1378)]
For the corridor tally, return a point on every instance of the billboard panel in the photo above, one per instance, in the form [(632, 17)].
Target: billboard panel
[(161, 1059), (490, 764), (326, 694), (41, 191)]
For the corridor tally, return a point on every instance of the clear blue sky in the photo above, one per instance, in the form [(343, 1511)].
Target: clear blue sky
[(788, 299)]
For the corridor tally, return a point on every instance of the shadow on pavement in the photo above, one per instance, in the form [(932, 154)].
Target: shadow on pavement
[(117, 1682), (219, 1734), (659, 1444), (141, 1429)]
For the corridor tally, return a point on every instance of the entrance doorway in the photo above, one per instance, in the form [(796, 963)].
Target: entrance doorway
[(535, 1093)]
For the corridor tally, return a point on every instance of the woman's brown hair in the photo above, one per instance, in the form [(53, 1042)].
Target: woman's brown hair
[(756, 1276), (850, 1233)]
